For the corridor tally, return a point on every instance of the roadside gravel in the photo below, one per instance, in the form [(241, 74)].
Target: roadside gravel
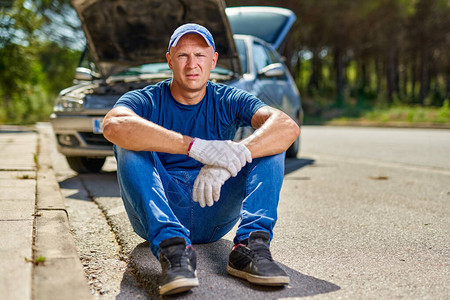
[(104, 263)]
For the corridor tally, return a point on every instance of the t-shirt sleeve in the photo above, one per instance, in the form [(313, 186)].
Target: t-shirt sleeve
[(137, 101), (245, 106)]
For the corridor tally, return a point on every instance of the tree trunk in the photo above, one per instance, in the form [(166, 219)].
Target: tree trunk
[(314, 78), (447, 89), (396, 74), (413, 79), (437, 99), (390, 74), (339, 63), (378, 73), (423, 76), (363, 84), (404, 82), (298, 72)]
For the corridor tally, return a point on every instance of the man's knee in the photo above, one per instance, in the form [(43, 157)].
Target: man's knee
[(133, 157), (273, 165), (121, 153)]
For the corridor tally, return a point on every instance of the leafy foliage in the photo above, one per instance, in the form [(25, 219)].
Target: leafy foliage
[(33, 67)]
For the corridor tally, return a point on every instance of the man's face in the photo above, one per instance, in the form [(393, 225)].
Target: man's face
[(191, 62)]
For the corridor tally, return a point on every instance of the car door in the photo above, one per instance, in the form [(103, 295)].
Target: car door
[(269, 27), (287, 94), (267, 88)]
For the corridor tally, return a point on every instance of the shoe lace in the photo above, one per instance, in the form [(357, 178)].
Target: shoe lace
[(181, 261), (261, 252), (178, 259)]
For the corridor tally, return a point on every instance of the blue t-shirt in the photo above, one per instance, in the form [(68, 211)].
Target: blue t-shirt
[(221, 112)]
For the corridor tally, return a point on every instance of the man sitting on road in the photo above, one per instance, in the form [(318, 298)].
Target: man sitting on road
[(173, 148)]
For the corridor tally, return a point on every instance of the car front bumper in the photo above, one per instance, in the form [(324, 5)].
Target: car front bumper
[(80, 135)]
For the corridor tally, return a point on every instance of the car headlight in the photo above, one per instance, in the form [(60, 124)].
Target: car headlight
[(68, 104)]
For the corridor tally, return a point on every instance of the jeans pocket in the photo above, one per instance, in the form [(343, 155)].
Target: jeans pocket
[(221, 230)]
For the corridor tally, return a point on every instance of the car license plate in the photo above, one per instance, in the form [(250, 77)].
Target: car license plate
[(97, 124)]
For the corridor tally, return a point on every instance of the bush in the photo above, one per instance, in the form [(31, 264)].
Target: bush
[(31, 78)]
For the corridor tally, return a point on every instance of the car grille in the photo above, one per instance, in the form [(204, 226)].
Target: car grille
[(95, 139)]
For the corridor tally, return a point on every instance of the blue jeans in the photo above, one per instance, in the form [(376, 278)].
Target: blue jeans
[(159, 202)]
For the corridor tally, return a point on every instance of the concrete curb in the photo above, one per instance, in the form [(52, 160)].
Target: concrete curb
[(62, 275), (18, 145)]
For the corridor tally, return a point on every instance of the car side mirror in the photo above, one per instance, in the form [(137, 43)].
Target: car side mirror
[(272, 70), (85, 74)]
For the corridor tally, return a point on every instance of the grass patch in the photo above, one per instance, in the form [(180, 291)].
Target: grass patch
[(409, 114), (37, 261), (381, 114), (26, 176)]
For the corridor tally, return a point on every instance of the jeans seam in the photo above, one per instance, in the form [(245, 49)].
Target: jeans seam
[(191, 206), (191, 218), (246, 183), (246, 187), (222, 226)]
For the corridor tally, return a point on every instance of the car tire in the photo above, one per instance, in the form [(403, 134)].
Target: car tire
[(293, 150), (81, 164)]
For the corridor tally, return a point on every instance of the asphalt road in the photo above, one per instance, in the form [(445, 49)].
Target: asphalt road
[(364, 214)]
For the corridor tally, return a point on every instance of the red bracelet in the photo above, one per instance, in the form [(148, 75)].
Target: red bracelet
[(190, 146)]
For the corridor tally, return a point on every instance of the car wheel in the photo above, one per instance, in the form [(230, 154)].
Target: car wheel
[(293, 150), (83, 164)]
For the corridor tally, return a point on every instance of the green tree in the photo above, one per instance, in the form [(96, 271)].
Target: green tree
[(33, 67), (429, 41), (20, 72), (58, 63)]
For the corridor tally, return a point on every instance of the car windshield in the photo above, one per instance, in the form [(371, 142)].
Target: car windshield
[(155, 68), (161, 68)]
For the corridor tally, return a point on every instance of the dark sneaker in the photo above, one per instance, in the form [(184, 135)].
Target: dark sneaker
[(254, 262), (178, 264)]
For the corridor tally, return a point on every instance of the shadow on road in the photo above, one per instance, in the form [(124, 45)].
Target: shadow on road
[(294, 164), (215, 283), (98, 185)]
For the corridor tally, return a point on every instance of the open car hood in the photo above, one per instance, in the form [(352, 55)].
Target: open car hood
[(126, 33), (270, 24)]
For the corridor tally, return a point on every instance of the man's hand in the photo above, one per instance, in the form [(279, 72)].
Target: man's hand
[(226, 154), (208, 184)]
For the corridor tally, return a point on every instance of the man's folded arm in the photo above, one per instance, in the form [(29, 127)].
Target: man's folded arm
[(126, 129), (275, 132)]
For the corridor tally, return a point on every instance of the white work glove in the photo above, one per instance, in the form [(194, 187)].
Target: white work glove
[(226, 154), (208, 184)]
